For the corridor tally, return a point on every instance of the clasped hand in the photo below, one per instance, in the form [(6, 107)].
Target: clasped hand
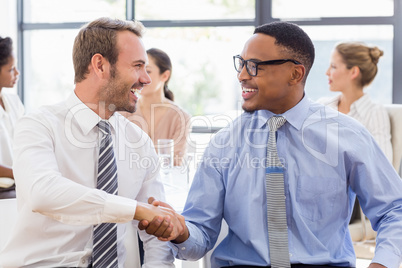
[(162, 221)]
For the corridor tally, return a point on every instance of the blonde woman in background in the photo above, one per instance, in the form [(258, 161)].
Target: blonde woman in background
[(156, 112), (11, 109), (353, 67)]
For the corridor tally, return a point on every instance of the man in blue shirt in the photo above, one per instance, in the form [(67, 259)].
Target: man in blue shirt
[(328, 159)]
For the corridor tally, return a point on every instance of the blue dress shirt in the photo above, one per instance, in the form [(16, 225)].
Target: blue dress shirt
[(329, 158)]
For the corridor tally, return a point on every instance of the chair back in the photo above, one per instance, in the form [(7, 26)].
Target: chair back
[(395, 117)]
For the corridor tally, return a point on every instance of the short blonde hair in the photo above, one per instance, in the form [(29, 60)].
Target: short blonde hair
[(99, 36), (363, 56)]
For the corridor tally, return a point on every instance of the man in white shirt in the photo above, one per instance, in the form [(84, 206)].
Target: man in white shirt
[(56, 160)]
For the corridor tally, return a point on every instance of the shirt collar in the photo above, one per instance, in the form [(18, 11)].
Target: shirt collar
[(294, 116), (360, 106), (85, 117)]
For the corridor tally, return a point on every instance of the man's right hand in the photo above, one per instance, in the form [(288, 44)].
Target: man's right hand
[(161, 227)]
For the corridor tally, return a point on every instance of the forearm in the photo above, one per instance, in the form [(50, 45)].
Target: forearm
[(376, 265), (58, 192), (193, 248), (72, 203), (388, 250), (181, 238), (6, 172)]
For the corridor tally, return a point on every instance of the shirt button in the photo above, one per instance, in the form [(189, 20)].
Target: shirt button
[(183, 248), (290, 255), (83, 261)]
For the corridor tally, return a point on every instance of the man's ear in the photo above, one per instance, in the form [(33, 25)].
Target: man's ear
[(297, 75), (99, 65)]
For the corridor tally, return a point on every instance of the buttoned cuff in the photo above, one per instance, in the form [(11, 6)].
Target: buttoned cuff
[(191, 248), (386, 257)]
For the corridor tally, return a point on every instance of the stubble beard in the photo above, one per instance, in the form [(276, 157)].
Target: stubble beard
[(116, 97)]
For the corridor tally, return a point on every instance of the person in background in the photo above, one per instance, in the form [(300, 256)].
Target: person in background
[(156, 113), (73, 210), (353, 66), (284, 175), (11, 109)]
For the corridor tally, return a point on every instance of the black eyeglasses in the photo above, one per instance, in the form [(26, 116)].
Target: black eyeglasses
[(252, 65)]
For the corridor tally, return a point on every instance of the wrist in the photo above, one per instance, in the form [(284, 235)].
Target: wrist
[(140, 212), (181, 238)]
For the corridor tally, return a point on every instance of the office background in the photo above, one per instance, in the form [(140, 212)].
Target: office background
[(201, 36)]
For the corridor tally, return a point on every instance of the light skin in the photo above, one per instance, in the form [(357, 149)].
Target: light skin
[(8, 78), (276, 88), (106, 93), (344, 80), (153, 94)]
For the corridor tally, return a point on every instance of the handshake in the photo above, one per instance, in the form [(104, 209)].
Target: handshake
[(159, 219)]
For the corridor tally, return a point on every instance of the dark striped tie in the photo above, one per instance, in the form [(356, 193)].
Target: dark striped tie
[(105, 234), (276, 207)]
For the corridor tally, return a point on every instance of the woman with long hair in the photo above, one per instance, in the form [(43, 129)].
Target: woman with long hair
[(353, 67), (157, 113)]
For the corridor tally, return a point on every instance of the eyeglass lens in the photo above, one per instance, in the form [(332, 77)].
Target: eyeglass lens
[(250, 66)]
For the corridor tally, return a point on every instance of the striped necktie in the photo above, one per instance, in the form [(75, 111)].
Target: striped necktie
[(105, 234), (276, 207)]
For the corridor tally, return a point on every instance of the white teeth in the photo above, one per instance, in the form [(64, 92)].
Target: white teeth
[(245, 90), (136, 91)]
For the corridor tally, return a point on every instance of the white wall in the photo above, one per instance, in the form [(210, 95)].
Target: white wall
[(8, 19)]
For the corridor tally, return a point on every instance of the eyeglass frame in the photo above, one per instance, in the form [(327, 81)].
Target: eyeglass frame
[(268, 62)]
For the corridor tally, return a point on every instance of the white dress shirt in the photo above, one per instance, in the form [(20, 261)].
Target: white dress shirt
[(56, 158), (14, 109), (372, 115)]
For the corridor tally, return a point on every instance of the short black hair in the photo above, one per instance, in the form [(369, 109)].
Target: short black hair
[(6, 50), (293, 39)]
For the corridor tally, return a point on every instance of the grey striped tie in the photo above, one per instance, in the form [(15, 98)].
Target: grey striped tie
[(276, 207), (105, 234)]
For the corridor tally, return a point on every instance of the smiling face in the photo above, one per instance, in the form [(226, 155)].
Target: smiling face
[(127, 75), (339, 76), (158, 79), (271, 89), (9, 73)]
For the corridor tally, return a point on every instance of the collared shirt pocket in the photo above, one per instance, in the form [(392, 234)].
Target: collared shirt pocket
[(316, 196)]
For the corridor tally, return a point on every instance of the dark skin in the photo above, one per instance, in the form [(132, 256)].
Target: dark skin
[(6, 172), (160, 227), (275, 88)]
